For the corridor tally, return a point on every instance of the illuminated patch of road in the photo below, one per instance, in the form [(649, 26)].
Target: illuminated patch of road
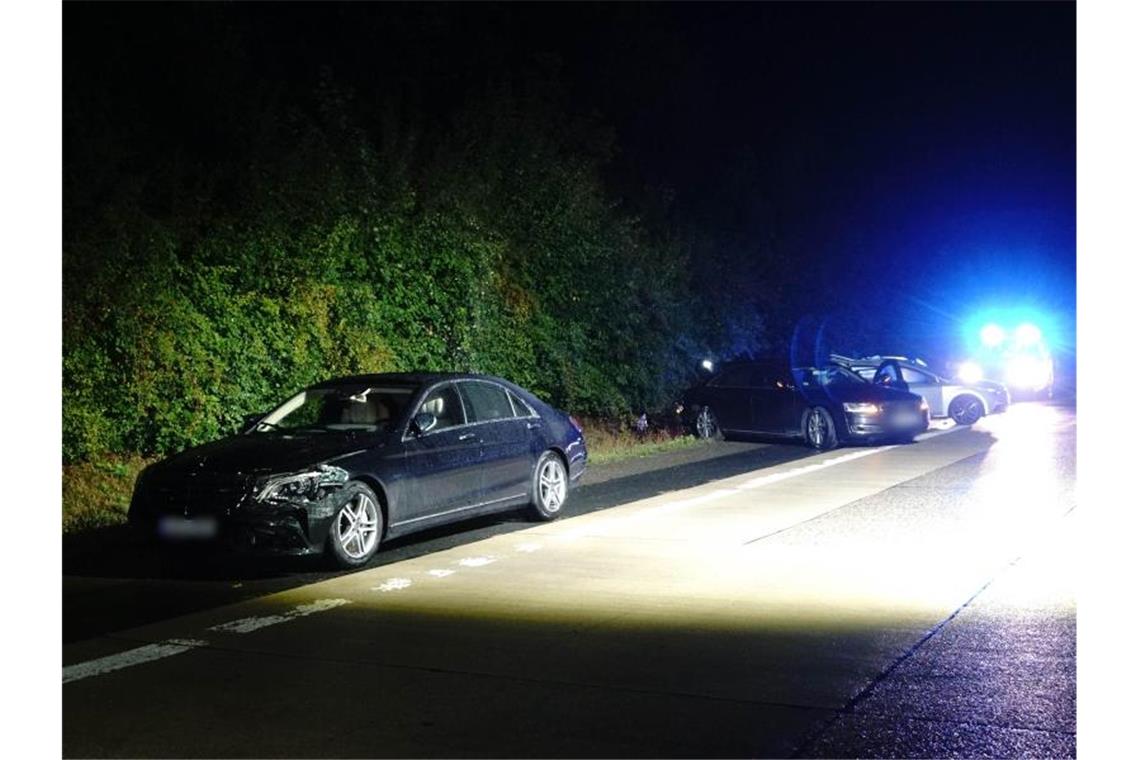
[(249, 624), (172, 647), (111, 663), (399, 584)]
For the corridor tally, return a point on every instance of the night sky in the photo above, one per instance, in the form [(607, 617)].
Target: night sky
[(925, 152), (917, 158)]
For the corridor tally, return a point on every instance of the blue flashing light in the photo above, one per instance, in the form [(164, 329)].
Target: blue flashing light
[(992, 335), (996, 331), (1027, 334)]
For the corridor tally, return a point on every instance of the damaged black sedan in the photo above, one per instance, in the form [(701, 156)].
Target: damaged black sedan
[(348, 463)]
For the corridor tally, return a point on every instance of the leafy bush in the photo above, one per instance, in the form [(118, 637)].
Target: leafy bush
[(196, 293)]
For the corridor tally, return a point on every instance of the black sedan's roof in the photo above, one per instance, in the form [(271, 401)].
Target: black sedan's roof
[(401, 378)]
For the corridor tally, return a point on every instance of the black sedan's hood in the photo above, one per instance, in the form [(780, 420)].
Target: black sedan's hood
[(267, 453)]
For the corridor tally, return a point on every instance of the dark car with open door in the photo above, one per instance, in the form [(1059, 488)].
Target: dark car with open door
[(343, 465), (823, 406)]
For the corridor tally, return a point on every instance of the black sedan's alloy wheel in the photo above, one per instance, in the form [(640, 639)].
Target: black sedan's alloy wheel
[(549, 487), (819, 429), (356, 530)]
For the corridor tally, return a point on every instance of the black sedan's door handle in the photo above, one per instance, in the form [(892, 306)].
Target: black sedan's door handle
[(467, 437), (533, 425)]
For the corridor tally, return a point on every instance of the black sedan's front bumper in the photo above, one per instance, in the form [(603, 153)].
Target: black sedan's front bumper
[(287, 529), (886, 425), (281, 532)]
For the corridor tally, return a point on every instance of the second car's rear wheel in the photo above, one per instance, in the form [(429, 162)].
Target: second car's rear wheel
[(549, 487), (819, 429), (706, 425), (966, 410), (355, 532)]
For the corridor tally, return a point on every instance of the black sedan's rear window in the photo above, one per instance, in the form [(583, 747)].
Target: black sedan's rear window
[(485, 401)]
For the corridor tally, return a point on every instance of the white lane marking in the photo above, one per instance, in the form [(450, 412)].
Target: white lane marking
[(477, 561), (246, 625), (148, 653), (806, 469), (393, 584), (528, 547), (440, 573)]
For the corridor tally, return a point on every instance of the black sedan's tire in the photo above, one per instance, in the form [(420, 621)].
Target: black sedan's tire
[(819, 429), (357, 527), (966, 410), (549, 487), (706, 426)]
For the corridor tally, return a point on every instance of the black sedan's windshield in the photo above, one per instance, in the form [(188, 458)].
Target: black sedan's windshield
[(339, 408)]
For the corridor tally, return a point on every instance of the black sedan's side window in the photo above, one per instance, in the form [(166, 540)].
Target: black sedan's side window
[(444, 403), (485, 401)]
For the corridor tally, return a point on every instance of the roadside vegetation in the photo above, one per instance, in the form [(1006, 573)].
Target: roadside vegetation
[(96, 494)]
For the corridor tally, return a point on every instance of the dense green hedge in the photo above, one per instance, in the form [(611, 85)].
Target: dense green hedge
[(194, 295)]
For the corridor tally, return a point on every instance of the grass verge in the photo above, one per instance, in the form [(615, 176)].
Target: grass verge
[(96, 494), (612, 442)]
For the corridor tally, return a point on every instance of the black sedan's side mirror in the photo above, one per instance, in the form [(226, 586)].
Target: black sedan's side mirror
[(423, 422)]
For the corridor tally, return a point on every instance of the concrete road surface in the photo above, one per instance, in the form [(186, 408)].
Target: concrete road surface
[(893, 601)]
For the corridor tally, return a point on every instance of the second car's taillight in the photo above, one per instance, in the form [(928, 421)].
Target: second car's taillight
[(577, 425)]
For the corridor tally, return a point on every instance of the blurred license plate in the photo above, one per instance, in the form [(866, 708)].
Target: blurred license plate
[(188, 528), (908, 419)]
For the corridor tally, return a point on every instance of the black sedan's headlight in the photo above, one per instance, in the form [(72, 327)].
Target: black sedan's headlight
[(308, 485), (861, 407)]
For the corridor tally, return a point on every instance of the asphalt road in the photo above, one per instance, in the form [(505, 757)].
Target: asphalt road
[(893, 601)]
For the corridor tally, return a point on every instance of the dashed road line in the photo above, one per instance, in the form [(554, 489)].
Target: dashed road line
[(111, 663), (476, 561), (249, 624), (171, 647)]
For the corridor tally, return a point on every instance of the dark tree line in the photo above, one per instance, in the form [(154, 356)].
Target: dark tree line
[(231, 236)]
